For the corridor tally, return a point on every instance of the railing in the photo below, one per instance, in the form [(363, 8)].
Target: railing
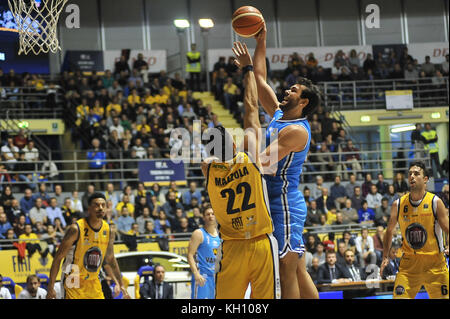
[(350, 95), (74, 174), (31, 103)]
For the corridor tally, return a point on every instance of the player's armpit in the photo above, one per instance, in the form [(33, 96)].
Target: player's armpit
[(291, 139)]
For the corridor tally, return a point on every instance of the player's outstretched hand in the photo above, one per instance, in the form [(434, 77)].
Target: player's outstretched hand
[(261, 35), (243, 57)]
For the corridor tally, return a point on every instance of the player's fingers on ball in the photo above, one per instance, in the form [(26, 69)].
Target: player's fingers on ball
[(235, 52)]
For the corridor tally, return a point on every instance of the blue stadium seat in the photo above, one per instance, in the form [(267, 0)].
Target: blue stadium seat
[(14, 289), (43, 279)]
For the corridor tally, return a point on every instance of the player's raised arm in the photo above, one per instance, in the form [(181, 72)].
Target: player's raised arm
[(252, 125), (387, 240), (266, 95)]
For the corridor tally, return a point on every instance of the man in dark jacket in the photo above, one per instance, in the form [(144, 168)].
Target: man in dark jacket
[(330, 271), (157, 288)]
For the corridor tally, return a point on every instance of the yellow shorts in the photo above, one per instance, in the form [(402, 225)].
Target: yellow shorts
[(416, 271), (253, 261), (86, 289)]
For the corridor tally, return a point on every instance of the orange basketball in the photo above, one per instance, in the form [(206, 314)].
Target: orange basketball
[(247, 21)]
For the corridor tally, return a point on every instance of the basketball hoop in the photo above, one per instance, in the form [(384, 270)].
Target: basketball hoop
[(37, 22)]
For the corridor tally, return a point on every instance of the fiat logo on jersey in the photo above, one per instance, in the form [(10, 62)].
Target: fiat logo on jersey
[(92, 259), (416, 236)]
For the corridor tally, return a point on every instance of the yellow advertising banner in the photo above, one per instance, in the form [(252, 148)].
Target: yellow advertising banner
[(19, 271)]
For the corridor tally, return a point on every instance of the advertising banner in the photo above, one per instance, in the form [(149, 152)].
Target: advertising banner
[(162, 172)]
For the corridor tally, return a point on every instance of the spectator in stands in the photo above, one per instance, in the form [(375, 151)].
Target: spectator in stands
[(57, 193), (320, 253), (121, 66), (313, 215), (431, 145), (378, 243), (397, 72), (4, 225), (53, 211), (316, 189), (391, 195), (162, 223), (351, 157), (33, 289), (27, 202), (392, 268), (338, 192), (325, 202), (330, 271), (76, 203), (9, 153), (49, 171), (444, 194), (348, 240), (190, 193), (357, 198), (196, 221), (325, 161), (311, 242), (383, 213), (125, 221), (68, 212), (350, 186), (52, 238), (367, 185), (126, 202), (428, 67), (84, 199), (4, 292), (349, 214), (32, 242), (144, 218), (140, 204), (19, 228), (340, 254), (365, 248), (366, 214), (353, 272), (400, 185), (382, 186), (373, 198), (411, 73), (97, 163), (369, 64), (314, 270), (38, 213)]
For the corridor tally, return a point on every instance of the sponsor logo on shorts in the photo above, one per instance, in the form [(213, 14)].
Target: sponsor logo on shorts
[(399, 290)]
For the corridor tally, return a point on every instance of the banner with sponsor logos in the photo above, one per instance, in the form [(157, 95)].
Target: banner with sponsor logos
[(156, 59), (435, 50), (162, 172), (279, 57), (85, 61)]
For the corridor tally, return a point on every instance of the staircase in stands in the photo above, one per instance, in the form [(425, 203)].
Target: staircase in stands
[(225, 117)]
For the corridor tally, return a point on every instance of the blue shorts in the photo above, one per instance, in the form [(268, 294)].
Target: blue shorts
[(208, 291), (288, 214)]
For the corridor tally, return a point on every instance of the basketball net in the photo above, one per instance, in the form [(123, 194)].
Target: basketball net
[(37, 23)]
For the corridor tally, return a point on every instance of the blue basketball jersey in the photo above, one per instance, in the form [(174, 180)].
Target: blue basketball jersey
[(287, 204), (206, 252)]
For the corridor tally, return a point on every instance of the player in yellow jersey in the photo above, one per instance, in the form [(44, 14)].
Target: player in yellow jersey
[(423, 219), (249, 252), (86, 246)]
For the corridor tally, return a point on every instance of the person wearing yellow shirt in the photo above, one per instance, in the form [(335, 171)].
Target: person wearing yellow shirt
[(82, 111), (143, 124), (114, 105), (32, 245), (134, 98), (230, 92), (98, 109), (125, 202)]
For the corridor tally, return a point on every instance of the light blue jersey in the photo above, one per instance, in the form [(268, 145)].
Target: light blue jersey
[(206, 263), (287, 204)]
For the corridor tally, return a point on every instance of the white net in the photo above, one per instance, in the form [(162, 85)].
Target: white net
[(37, 22)]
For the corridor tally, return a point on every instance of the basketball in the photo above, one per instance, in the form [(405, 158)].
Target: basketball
[(247, 21)]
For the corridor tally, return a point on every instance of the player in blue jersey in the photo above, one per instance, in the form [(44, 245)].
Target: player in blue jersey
[(202, 251), (283, 159)]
